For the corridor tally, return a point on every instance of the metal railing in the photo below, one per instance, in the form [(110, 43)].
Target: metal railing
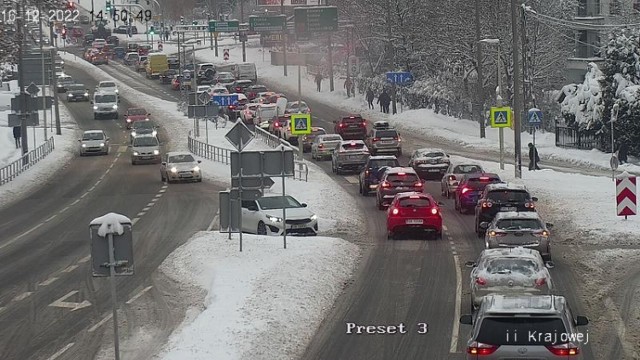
[(11, 171), (209, 152), (570, 137)]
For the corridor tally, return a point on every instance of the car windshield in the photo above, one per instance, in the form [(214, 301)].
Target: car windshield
[(386, 133), (137, 112), (145, 141), (378, 163), (278, 202), (467, 169), (393, 178), (501, 330), (76, 88), (525, 267), (93, 136), (105, 99), (142, 125), (352, 146), (268, 113), (107, 85), (181, 158), (481, 183), (332, 138), (504, 196), (519, 224), (417, 202)]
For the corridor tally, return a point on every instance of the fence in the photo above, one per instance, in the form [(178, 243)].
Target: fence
[(570, 137), (11, 171), (210, 152)]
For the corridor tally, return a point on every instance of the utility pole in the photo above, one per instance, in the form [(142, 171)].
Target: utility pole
[(284, 39), (480, 87), (44, 74), (243, 34), (56, 106), (517, 97), (331, 85), (23, 111)]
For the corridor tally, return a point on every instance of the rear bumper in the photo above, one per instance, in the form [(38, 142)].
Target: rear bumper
[(386, 149), (400, 225), (351, 165), (430, 172), (542, 247)]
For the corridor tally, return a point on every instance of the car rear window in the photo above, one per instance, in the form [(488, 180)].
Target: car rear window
[(501, 331), (352, 147), (332, 138), (386, 133), (431, 154), (503, 196), (508, 266), (383, 162), (519, 224), (352, 120), (405, 178), (137, 112), (467, 169), (481, 183), (419, 202)]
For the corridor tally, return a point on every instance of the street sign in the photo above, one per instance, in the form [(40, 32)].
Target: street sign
[(301, 124), (202, 111), (267, 23), (190, 28), (263, 163), (500, 117), (534, 117), (32, 119), (239, 136), (224, 26), (33, 89), (225, 54), (33, 103), (204, 98), (225, 100), (626, 194), (118, 226), (400, 78), (258, 182), (315, 19)]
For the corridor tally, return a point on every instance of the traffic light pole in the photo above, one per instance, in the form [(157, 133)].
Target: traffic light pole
[(23, 111)]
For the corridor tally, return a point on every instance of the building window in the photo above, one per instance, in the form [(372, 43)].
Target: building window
[(582, 7), (636, 5), (615, 7)]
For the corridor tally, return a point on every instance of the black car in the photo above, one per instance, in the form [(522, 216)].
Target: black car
[(113, 40), (470, 188), (167, 76), (373, 170), (174, 63), (77, 92), (88, 39), (502, 197)]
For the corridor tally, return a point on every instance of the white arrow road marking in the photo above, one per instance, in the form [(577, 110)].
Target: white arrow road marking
[(61, 351), (22, 296), (70, 305), (138, 295), (48, 281)]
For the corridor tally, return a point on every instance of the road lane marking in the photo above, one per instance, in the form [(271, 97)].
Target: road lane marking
[(444, 227), (154, 200), (50, 218), (68, 304), (158, 195), (140, 214), (91, 188), (2, 308), (102, 322), (165, 186), (85, 259), (122, 149), (10, 242), (83, 195), (75, 202), (70, 269), (138, 295), (456, 314), (352, 179), (134, 221), (63, 210), (22, 296), (48, 281), (162, 190), (146, 208), (150, 204), (61, 351)]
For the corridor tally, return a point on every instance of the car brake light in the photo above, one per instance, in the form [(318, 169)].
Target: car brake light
[(529, 205), (395, 211), (341, 125), (478, 348), (418, 184), (364, 123), (464, 190), (452, 177), (353, 143), (366, 172), (541, 281), (567, 349), (277, 124), (376, 139), (402, 174), (321, 146), (481, 281), (434, 211), (385, 184), (128, 120), (484, 178)]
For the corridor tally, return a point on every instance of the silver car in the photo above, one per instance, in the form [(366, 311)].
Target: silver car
[(430, 163), (323, 145), (455, 172), (540, 327), (94, 142), (180, 166), (508, 271), (143, 127), (350, 155), (145, 149), (384, 141), (514, 229)]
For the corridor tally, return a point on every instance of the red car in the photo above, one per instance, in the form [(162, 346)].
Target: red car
[(135, 114), (175, 82), (414, 212)]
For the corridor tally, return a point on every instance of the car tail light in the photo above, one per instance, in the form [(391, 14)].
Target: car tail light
[(128, 120), (543, 233), (481, 281), (366, 172), (487, 204), (494, 233), (434, 211), (321, 146), (402, 174), (529, 205), (395, 211), (478, 348), (484, 178), (277, 124), (376, 139), (341, 125), (238, 89), (452, 177), (385, 184), (364, 123), (232, 107), (464, 190), (397, 138), (568, 349), (418, 184), (541, 281)]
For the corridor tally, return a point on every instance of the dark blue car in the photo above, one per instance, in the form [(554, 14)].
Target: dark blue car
[(373, 170), (119, 52), (470, 188)]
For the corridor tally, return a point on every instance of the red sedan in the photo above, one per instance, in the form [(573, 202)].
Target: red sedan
[(414, 212), (135, 114)]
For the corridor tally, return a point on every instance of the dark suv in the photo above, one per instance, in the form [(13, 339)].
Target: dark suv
[(373, 170), (394, 181), (502, 197), (352, 127), (470, 188)]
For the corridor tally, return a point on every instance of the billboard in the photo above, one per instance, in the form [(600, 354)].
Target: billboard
[(289, 2)]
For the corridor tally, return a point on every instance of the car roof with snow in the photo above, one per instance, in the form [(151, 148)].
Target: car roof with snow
[(506, 186), (399, 170), (517, 215), (268, 106), (383, 157), (413, 193), (510, 252), (329, 137), (524, 304), (93, 131), (425, 151), (352, 142)]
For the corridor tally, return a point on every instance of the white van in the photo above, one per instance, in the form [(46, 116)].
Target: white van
[(246, 71), (105, 104)]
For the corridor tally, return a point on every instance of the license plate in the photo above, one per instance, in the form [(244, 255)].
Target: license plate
[(508, 208), (298, 226), (354, 157), (185, 175), (146, 157), (434, 170), (414, 221), (387, 142)]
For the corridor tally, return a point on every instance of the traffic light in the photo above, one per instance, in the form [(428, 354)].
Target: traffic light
[(152, 30), (181, 20), (109, 5)]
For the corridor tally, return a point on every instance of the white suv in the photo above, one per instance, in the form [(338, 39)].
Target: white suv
[(105, 104), (107, 86)]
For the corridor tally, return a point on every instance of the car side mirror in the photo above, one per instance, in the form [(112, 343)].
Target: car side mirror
[(549, 225), (252, 208), (533, 198), (304, 204), (582, 320), (164, 163), (466, 320), (483, 225), (470, 264), (199, 161)]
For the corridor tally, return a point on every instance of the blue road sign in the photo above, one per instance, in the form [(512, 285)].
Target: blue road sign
[(399, 78), (535, 117), (225, 100)]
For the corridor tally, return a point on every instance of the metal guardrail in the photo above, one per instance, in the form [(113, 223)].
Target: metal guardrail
[(11, 171), (570, 137), (209, 152)]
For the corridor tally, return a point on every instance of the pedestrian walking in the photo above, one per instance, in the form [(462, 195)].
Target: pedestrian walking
[(370, 96), (384, 100), (17, 136), (319, 80), (623, 151), (534, 159), (348, 85)]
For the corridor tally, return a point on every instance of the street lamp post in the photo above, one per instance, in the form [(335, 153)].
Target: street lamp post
[(498, 95), (614, 118), (194, 86)]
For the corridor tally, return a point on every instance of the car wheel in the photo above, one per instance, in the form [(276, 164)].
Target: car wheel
[(390, 236), (262, 229), (380, 205)]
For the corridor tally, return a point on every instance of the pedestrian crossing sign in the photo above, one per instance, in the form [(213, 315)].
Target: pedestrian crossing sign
[(301, 124), (500, 117)]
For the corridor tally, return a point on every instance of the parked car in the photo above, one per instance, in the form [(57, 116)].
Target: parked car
[(180, 166), (263, 216), (94, 142), (430, 163), (349, 155), (373, 170), (323, 146), (414, 212), (454, 174)]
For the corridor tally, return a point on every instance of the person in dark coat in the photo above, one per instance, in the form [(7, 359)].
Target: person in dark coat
[(623, 150), (384, 100), (319, 80), (17, 136), (348, 86), (370, 97), (534, 159)]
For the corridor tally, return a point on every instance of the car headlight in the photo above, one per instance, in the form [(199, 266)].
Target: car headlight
[(116, 91), (174, 170), (133, 133), (86, 94), (156, 152), (146, 119), (95, 107), (115, 107), (314, 217), (69, 95), (59, 85), (274, 219), (101, 144), (135, 153), (84, 145), (196, 168)]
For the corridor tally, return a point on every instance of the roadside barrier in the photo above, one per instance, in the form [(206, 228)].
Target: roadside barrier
[(209, 152), (12, 170)]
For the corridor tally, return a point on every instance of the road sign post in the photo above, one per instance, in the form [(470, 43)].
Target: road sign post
[(116, 256), (501, 118), (300, 125), (534, 118), (398, 78), (626, 195)]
